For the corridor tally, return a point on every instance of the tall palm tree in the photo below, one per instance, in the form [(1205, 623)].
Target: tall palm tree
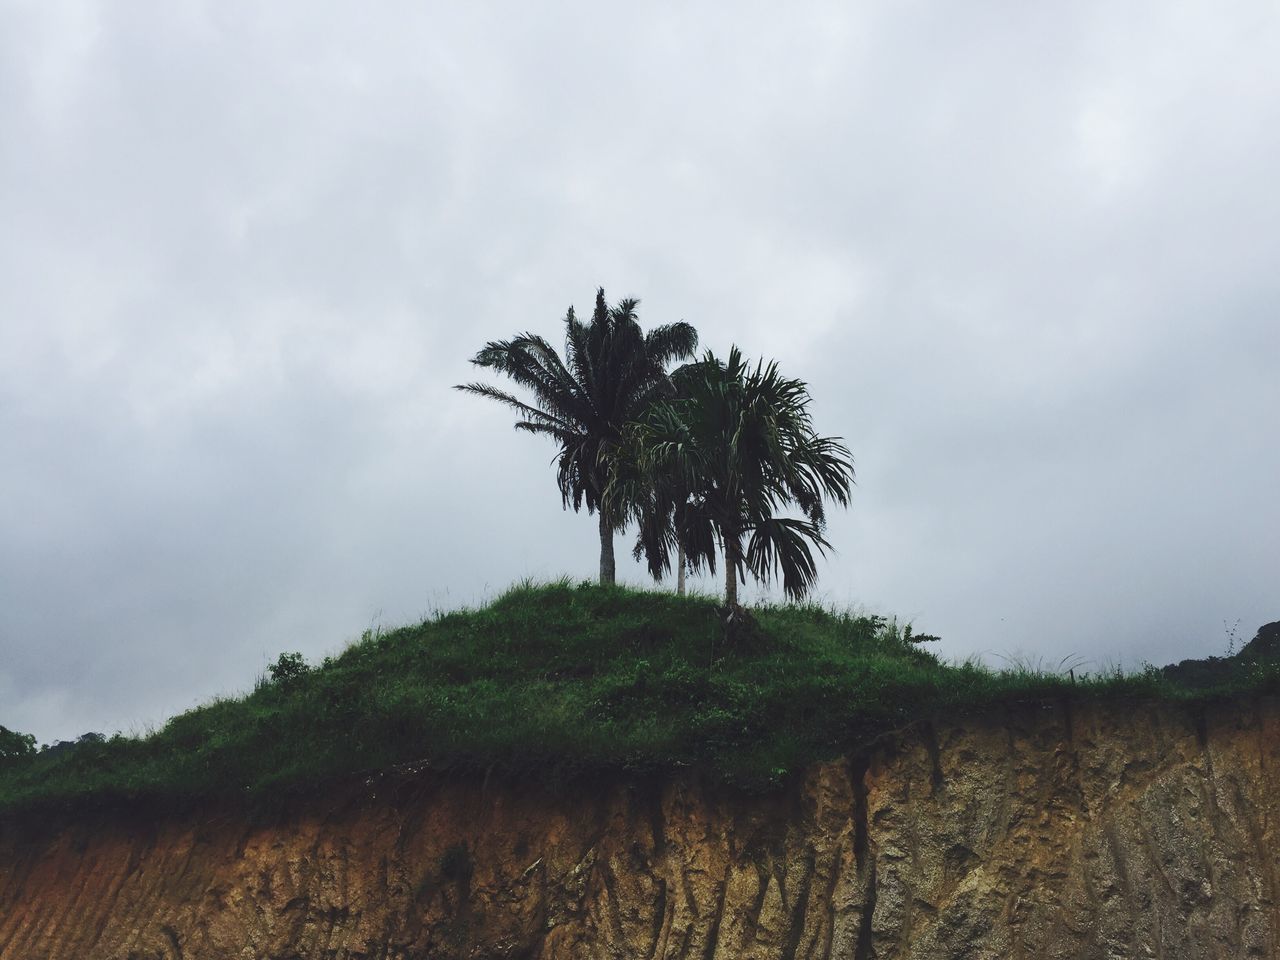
[(611, 373), (724, 458)]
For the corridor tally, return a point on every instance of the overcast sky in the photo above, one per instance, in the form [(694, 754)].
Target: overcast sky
[(1026, 256)]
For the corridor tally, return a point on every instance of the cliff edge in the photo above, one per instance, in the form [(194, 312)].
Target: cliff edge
[(1058, 830)]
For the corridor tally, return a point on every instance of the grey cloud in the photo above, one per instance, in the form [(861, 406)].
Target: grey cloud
[(1024, 257)]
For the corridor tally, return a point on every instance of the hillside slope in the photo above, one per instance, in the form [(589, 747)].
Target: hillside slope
[(554, 681)]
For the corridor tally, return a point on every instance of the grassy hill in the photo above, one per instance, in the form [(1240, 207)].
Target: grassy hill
[(555, 680)]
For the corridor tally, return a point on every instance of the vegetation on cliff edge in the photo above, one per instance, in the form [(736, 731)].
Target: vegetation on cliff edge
[(555, 680)]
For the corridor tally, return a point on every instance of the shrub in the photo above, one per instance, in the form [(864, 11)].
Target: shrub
[(289, 670)]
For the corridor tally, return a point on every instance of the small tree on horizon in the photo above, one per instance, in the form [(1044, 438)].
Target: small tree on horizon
[(15, 746)]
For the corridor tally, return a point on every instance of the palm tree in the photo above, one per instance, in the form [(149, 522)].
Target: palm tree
[(723, 458), (660, 500), (661, 507), (612, 372)]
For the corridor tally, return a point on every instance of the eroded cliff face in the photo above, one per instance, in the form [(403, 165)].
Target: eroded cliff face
[(1045, 832)]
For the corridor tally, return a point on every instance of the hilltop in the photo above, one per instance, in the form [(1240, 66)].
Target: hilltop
[(558, 680)]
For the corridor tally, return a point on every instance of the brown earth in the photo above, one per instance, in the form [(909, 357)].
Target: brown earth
[(1060, 831)]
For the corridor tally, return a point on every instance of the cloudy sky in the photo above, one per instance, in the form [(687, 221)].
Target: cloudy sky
[(1026, 256)]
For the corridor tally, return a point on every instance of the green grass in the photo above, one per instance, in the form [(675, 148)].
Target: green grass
[(556, 680)]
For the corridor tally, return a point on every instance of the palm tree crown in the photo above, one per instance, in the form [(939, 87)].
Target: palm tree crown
[(734, 448), (611, 374)]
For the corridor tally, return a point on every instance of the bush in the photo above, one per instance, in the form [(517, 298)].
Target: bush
[(289, 670)]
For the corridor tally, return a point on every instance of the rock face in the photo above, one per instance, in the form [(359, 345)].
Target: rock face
[(1060, 831)]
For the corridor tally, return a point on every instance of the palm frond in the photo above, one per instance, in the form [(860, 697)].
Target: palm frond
[(671, 342), (782, 544), (534, 413)]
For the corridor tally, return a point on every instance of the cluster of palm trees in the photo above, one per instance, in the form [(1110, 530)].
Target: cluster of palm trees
[(706, 459)]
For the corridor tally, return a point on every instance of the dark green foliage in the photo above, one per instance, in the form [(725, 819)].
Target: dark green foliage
[(551, 681), (1259, 655), (288, 670), (15, 747)]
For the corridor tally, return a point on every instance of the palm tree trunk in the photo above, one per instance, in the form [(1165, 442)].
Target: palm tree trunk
[(730, 575), (680, 570), (607, 567)]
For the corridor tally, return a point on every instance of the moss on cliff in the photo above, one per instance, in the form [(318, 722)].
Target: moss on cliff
[(556, 680)]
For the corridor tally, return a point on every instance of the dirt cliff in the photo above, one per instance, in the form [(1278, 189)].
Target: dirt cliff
[(1045, 831)]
